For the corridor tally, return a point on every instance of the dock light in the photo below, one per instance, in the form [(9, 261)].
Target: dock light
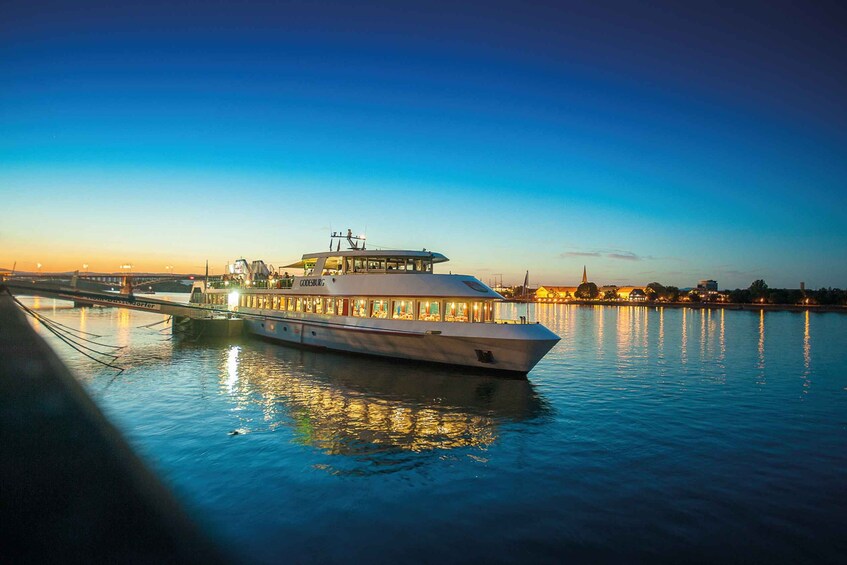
[(232, 299)]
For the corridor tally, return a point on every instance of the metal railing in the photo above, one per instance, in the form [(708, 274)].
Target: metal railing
[(281, 283)]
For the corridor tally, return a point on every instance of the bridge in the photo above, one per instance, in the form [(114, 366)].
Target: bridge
[(104, 279), (208, 319)]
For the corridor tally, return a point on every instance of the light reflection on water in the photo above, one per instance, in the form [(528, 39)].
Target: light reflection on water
[(353, 406), (646, 432)]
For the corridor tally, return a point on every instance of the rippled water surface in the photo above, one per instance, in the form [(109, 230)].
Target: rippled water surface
[(646, 434)]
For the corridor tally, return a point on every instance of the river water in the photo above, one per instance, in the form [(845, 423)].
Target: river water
[(647, 434)]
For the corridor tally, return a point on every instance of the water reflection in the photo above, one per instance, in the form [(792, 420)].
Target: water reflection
[(355, 406), (599, 312), (761, 347), (807, 355), (232, 368)]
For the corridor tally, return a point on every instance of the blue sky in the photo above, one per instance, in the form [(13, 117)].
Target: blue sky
[(658, 141)]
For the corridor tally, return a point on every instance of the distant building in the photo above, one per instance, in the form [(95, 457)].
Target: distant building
[(708, 286), (553, 293), (632, 293)]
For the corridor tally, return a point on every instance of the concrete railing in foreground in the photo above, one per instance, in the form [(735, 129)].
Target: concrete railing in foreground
[(72, 489)]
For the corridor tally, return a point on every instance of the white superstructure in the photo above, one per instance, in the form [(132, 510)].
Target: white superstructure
[(379, 302)]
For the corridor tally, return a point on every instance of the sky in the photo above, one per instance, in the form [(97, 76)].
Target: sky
[(661, 141)]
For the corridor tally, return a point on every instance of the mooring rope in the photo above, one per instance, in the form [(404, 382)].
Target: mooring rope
[(63, 334)]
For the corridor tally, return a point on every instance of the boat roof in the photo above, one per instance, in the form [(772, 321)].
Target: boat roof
[(436, 257)]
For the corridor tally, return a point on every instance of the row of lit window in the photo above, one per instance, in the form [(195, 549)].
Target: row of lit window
[(383, 265), (429, 310)]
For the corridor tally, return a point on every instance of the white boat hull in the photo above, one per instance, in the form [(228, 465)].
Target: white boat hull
[(502, 347)]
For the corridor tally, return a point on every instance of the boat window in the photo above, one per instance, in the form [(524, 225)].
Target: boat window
[(403, 310), (429, 311), (376, 264), (395, 264), (341, 307), (379, 308), (330, 306), (319, 305), (359, 265), (481, 312), (421, 265), (360, 308), (456, 312)]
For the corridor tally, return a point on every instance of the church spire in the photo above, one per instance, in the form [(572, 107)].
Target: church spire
[(584, 275)]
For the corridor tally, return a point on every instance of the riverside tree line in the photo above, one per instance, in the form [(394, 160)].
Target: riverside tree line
[(758, 292)]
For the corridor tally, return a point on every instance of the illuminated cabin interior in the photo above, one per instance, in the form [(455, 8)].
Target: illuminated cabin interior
[(370, 262)]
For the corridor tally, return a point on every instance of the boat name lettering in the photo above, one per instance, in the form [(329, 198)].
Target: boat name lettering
[(311, 282)]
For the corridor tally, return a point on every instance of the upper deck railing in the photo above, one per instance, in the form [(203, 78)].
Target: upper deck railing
[(275, 283)]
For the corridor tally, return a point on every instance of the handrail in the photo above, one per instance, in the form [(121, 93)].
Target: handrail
[(281, 283)]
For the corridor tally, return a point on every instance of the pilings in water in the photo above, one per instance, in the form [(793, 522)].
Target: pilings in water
[(73, 490)]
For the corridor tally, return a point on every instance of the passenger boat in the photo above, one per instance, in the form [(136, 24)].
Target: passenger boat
[(388, 303)]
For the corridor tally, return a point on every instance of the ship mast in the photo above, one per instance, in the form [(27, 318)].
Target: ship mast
[(352, 240)]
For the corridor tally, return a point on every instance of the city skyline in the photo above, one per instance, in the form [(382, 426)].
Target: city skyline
[(658, 142)]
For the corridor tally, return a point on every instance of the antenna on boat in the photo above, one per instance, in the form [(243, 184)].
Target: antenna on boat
[(352, 240)]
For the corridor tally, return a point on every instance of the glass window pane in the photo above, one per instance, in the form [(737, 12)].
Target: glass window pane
[(360, 308), (429, 311), (403, 310), (456, 312), (379, 308)]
